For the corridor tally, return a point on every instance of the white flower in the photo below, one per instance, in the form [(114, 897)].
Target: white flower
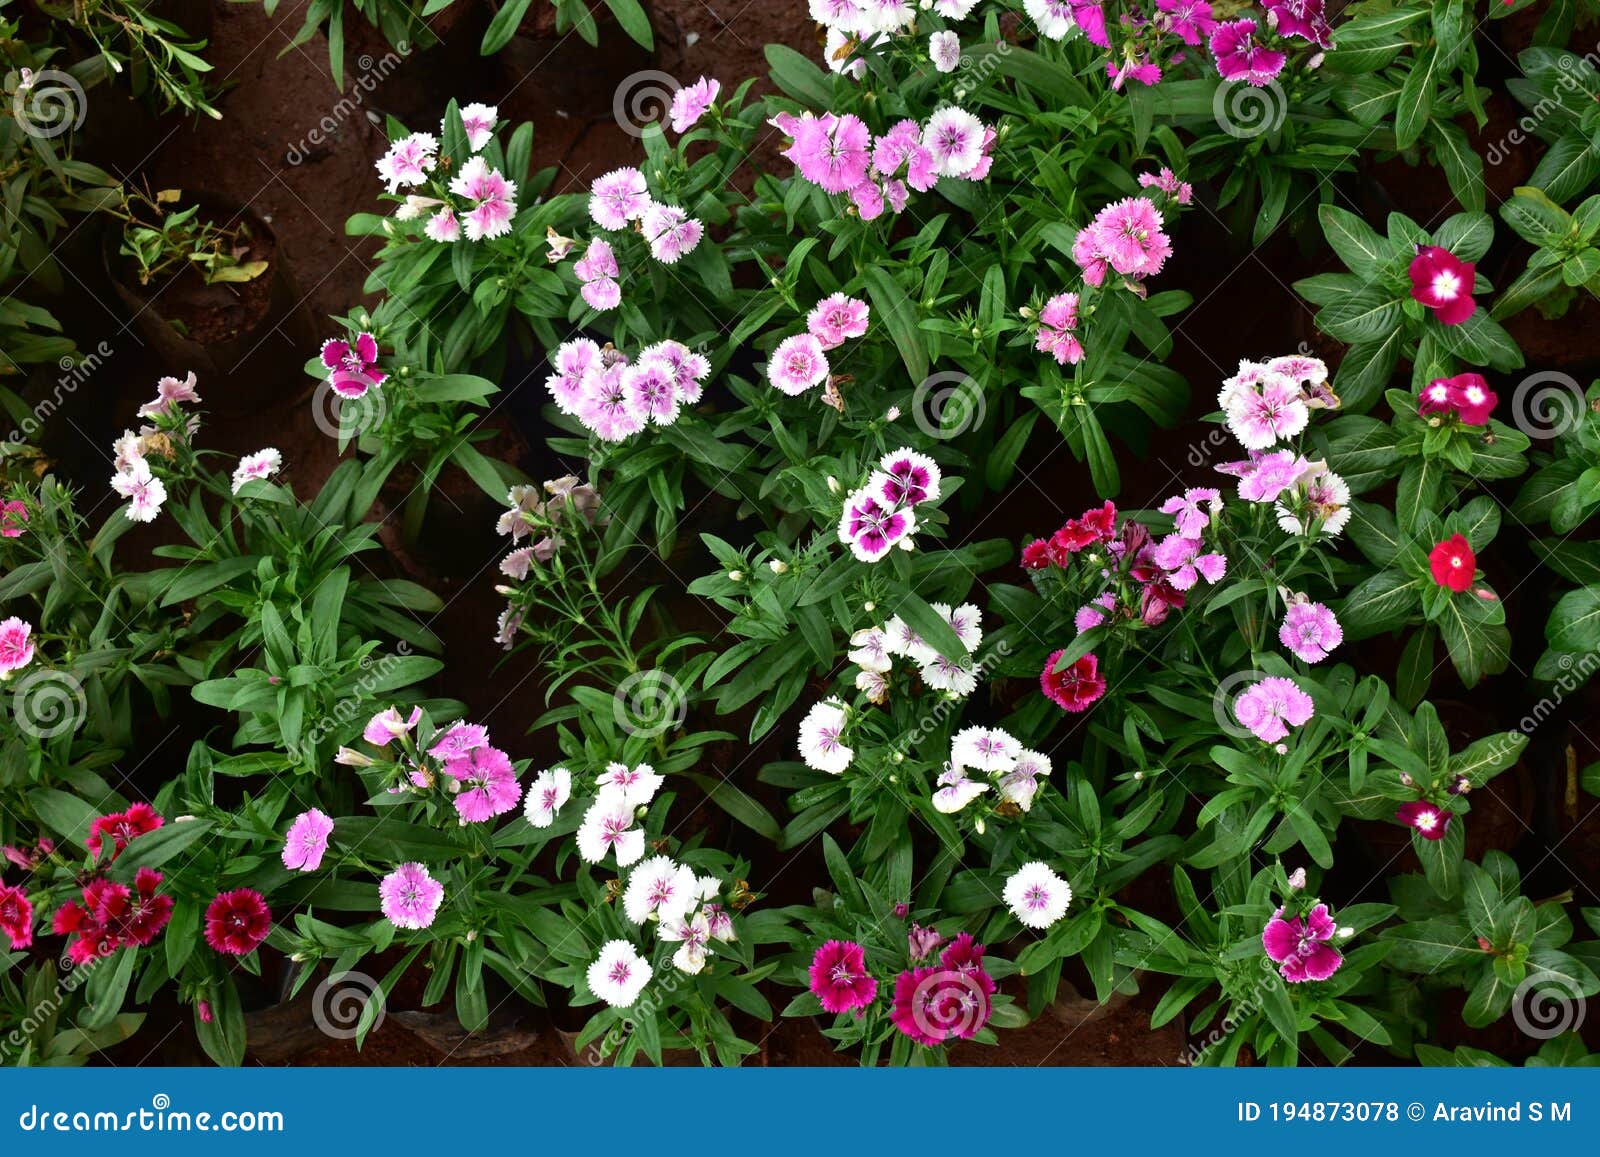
[(608, 827), (479, 120), (966, 621), (636, 785), (618, 974), (1053, 17), (145, 491), (254, 467), (905, 642), (955, 138), (1037, 896), (1318, 503), (954, 9), (659, 887), (1021, 783), (945, 49), (985, 749), (956, 791), (547, 794), (836, 50), (416, 207), (871, 650), (690, 934), (873, 685), (820, 733), (957, 677)]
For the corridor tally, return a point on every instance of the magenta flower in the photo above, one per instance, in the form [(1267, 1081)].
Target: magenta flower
[(1057, 320), (1311, 631), (831, 152), (1303, 18), (1184, 563), (354, 366), (836, 318), (1128, 235), (16, 645), (1193, 509), (488, 782), (1239, 57), (797, 364), (13, 517), (410, 897), (1431, 821), (839, 977), (1189, 20), (691, 102), (458, 739), (307, 841), (910, 478), (1443, 282), (1091, 17), (951, 1002), (617, 198), (1167, 181), (1300, 948), (387, 725), (1269, 708)]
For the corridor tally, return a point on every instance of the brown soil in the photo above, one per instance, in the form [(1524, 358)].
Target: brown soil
[(210, 314)]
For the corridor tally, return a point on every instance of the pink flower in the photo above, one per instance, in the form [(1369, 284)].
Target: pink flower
[(1443, 282), (1077, 687), (387, 725), (1300, 947), (143, 489), (353, 366), (836, 318), (933, 1005), (1430, 821), (1270, 707), (443, 226), (830, 151), (1239, 57), (1310, 630), (16, 917), (13, 515), (871, 529), (652, 389), (1193, 509), (1435, 398), (488, 782), (867, 197), (1167, 181), (408, 160), (617, 198), (494, 199), (839, 977), (1091, 17), (1302, 18), (410, 897), (572, 360), (1057, 320), (256, 467), (169, 393), (1184, 563), (1139, 68), (1126, 235), (306, 841), (458, 740), (1093, 614), (1262, 477), (1467, 395), (797, 364), (597, 270), (16, 646), (605, 407), (671, 232), (690, 103), (689, 369), (1262, 407)]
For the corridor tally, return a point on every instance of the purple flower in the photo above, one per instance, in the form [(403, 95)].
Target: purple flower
[(488, 782), (1303, 18), (354, 366), (870, 528), (410, 896)]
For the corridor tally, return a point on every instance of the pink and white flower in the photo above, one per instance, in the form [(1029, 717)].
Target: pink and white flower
[(1310, 630), (408, 160), (836, 318), (352, 365), (617, 198), (16, 645), (821, 738), (619, 974), (547, 795), (797, 364), (478, 120), (597, 270), (870, 528), (494, 199), (607, 827), (144, 491), (671, 232), (691, 102), (658, 887), (256, 467), (1036, 895), (410, 897)]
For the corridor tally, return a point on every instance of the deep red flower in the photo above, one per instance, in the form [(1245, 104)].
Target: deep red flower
[(138, 820), (94, 921), (142, 920), (1077, 687), (933, 1005), (964, 954), (1453, 564), (1443, 282), (839, 977), (16, 916), (1103, 522), (1472, 398), (1429, 820), (1037, 555), (1073, 537), (238, 921)]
